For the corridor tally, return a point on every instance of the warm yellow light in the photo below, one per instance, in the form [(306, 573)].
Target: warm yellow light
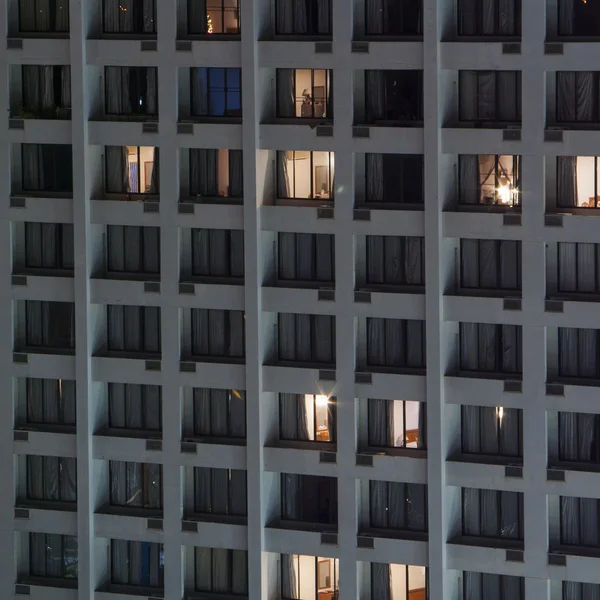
[(504, 194), (321, 400), (500, 412), (209, 25)]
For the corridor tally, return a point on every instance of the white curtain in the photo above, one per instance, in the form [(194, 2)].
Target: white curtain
[(220, 491), (133, 328), (134, 406), (133, 249), (289, 579), (137, 563), (219, 413), (218, 252), (218, 333)]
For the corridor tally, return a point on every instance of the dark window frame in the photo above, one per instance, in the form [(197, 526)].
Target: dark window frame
[(145, 231), (224, 11), (52, 30), (60, 460), (498, 256), (402, 260), (328, 94), (317, 481), (144, 391), (144, 546), (227, 335), (313, 337), (229, 275), (229, 511), (398, 198), (312, 32), (145, 487), (498, 536), (497, 17), (230, 575), (155, 173), (402, 26), (138, 74), (595, 459), (560, 358), (56, 166), (499, 451), (292, 178), (596, 185), (332, 401), (137, 20), (59, 259), (405, 345), (499, 350), (422, 407), (60, 407), (48, 113), (50, 317), (406, 579), (502, 592), (226, 91), (229, 433), (580, 526), (398, 120), (63, 540), (142, 311), (297, 591), (577, 285), (405, 526), (315, 256)]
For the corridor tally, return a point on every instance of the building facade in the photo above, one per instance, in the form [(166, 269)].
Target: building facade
[(345, 243)]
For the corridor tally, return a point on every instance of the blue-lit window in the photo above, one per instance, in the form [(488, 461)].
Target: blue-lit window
[(216, 92), (137, 563)]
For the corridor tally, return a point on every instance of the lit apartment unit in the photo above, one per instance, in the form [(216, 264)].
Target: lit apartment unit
[(301, 300)]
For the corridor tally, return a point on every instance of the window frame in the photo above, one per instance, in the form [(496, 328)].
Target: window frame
[(560, 358), (223, 10), (209, 89), (145, 545), (313, 337), (56, 166), (516, 25), (230, 392), (579, 459), (402, 259), (155, 154), (499, 339), (596, 183), (498, 536), (230, 574), (60, 460), (195, 231), (227, 334), (213, 511), (63, 556), (316, 481), (138, 74), (50, 317), (577, 274), (143, 392), (385, 24), (405, 526), (145, 485), (335, 576), (406, 579), (57, 71), (142, 319), (311, 33), (292, 180), (399, 198), (316, 258), (402, 80), (405, 345), (144, 243), (422, 407), (327, 100), (501, 592), (52, 30), (59, 258), (60, 408), (498, 244), (331, 401), (135, 19), (580, 543)]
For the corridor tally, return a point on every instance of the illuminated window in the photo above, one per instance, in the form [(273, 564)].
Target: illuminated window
[(213, 17)]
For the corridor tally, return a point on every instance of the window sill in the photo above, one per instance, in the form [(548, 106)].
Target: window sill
[(302, 285), (583, 551), (122, 276), (487, 208), (129, 197), (581, 467), (239, 520), (394, 534), (47, 272), (212, 280), (212, 119), (56, 505), (390, 370), (389, 37), (305, 202), (225, 200), (579, 381), (484, 125), (311, 122), (133, 590), (396, 451), (126, 35), (138, 434), (128, 355), (46, 350), (301, 365), (53, 582), (129, 118), (216, 441), (43, 194), (47, 428), (574, 296), (486, 293), (487, 459), (482, 39), (315, 445), (488, 542), (209, 37), (389, 288), (125, 511), (398, 123), (43, 35), (366, 205), (288, 525), (487, 375), (301, 37), (198, 595), (228, 360)]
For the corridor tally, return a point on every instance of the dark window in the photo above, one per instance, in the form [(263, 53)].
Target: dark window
[(213, 17), (221, 571), (218, 333), (578, 352), (304, 93), (220, 491), (129, 16), (216, 173), (137, 563), (580, 591), (389, 17), (490, 96), (44, 16), (306, 257), (50, 401), (398, 343), (309, 498), (47, 168), (492, 430), (131, 91), (492, 514), (49, 246), (133, 328), (577, 18), (307, 417), (394, 97), (46, 92), (490, 348), (50, 324), (394, 178), (133, 249), (219, 413), (489, 179), (401, 506), (578, 268), (216, 92), (480, 586), (218, 253), (53, 555), (493, 18), (304, 17), (579, 437), (490, 264), (52, 478), (395, 260), (579, 521), (397, 423), (134, 407), (136, 485), (304, 174), (306, 338)]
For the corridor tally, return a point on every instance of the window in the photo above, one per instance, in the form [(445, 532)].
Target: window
[(578, 353), (216, 92), (129, 16), (219, 413), (492, 96), (135, 407), (216, 173), (49, 246), (398, 582), (578, 268), (306, 338), (218, 333), (221, 571), (132, 249), (132, 170), (312, 17), (579, 437), (394, 97), (304, 93), (43, 16), (394, 178), (133, 328), (52, 478), (579, 523), (213, 17), (46, 92), (309, 498), (490, 17), (396, 343), (137, 563), (490, 265), (136, 485), (306, 257), (578, 18), (397, 423), (131, 91), (577, 97), (481, 586), (577, 182), (307, 417), (490, 348), (47, 168), (304, 174), (489, 179), (395, 260), (492, 430), (572, 590), (309, 577), (220, 492), (50, 324), (50, 401), (400, 506), (52, 555), (492, 514), (388, 17), (218, 253)]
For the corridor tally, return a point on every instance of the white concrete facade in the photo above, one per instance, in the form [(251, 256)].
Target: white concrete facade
[(259, 137)]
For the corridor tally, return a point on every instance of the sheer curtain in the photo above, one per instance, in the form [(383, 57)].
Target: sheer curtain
[(381, 581), (375, 16), (376, 96), (381, 423), (203, 172), (289, 579), (566, 181), (286, 97), (490, 513), (52, 478), (284, 183), (293, 418), (577, 436), (117, 170), (374, 177), (579, 521)]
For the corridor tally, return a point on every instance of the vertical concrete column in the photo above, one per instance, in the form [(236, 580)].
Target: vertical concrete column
[(436, 453), (7, 409), (86, 484), (344, 297), (253, 195), (166, 13)]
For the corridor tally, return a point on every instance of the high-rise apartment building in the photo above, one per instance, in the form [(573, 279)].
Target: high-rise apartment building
[(300, 299)]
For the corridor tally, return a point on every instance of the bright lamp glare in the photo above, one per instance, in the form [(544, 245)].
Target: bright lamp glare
[(321, 400)]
